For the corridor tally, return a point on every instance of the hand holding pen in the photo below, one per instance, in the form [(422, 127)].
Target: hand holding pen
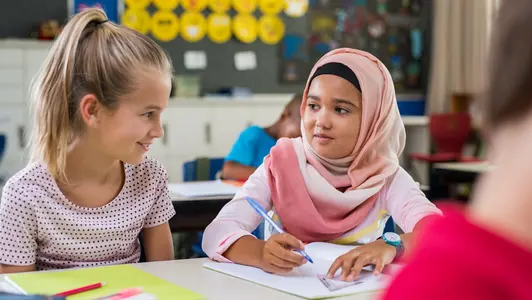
[(277, 254)]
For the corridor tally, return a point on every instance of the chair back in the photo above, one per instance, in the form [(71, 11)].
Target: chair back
[(450, 132)]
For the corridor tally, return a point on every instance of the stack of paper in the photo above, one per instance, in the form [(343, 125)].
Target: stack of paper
[(203, 189)]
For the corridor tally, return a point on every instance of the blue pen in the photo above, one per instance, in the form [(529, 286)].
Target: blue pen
[(263, 214)]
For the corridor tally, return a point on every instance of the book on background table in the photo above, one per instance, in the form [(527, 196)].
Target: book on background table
[(306, 281), (204, 188), (117, 278)]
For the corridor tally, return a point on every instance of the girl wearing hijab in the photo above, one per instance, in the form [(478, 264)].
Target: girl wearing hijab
[(337, 183)]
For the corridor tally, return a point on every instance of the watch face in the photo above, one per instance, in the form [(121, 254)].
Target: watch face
[(392, 237)]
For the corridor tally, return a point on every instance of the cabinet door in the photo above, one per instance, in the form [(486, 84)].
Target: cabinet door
[(228, 123), (188, 130), (34, 60), (174, 166), (266, 115), (13, 127)]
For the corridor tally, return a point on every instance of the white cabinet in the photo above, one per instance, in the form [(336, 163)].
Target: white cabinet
[(188, 130), (34, 59), (207, 128), (13, 126), (227, 124), (19, 62), (266, 115)]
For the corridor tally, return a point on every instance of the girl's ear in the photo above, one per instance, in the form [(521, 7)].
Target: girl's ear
[(285, 115), (90, 110)]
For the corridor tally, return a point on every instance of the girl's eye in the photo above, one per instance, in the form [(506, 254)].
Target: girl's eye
[(341, 110), (148, 114), (313, 106)]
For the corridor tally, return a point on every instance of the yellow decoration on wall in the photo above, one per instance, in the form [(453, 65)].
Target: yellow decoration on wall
[(322, 23), (219, 6), (193, 26), (296, 8), (245, 6), (137, 19), (137, 3), (245, 28), (271, 29), (271, 6), (194, 5), (165, 25), (219, 28), (166, 4)]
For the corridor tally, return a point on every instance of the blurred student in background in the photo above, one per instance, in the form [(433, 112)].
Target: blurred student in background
[(255, 142)]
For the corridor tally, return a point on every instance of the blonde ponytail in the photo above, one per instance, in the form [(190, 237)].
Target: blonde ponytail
[(91, 55)]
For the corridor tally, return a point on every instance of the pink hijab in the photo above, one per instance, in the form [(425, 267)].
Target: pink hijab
[(304, 186)]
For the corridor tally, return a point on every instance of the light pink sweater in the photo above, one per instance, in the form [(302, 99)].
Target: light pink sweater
[(399, 198)]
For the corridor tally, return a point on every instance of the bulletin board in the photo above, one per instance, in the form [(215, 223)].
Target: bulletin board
[(397, 32)]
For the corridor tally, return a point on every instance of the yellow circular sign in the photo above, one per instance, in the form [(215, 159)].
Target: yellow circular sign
[(138, 19), (193, 26), (271, 6), (245, 6), (164, 25), (245, 28), (194, 5), (137, 3), (219, 28), (166, 4), (296, 8), (219, 6), (271, 29)]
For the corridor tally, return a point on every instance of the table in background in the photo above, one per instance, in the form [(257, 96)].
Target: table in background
[(446, 174), (195, 213)]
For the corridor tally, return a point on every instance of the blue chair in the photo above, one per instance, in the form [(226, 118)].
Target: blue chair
[(202, 169)]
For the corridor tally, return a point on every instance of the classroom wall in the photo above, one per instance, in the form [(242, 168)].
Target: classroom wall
[(18, 18)]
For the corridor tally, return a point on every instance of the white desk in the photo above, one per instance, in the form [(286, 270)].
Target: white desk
[(190, 274), (469, 167), (181, 198), (195, 213), (415, 120), (417, 141)]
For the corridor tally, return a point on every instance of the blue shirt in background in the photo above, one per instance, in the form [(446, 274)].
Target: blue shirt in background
[(251, 147)]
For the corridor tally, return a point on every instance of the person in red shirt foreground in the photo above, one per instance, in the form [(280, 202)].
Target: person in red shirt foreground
[(484, 251)]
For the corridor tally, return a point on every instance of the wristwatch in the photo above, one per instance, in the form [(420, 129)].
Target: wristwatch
[(393, 239)]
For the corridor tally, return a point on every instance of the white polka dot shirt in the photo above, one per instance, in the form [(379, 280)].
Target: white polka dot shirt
[(40, 226)]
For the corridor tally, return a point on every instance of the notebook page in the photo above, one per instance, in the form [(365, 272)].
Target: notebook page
[(303, 281), (327, 251)]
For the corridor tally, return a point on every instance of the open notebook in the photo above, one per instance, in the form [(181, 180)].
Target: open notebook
[(304, 281)]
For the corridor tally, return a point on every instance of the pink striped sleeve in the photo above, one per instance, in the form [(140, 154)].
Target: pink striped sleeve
[(237, 218), (406, 203)]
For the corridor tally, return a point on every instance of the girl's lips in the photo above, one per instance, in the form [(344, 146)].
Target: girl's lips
[(145, 147)]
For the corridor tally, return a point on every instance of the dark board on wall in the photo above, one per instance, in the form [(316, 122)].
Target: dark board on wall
[(19, 18)]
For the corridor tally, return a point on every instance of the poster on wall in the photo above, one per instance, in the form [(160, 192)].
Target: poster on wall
[(113, 8)]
